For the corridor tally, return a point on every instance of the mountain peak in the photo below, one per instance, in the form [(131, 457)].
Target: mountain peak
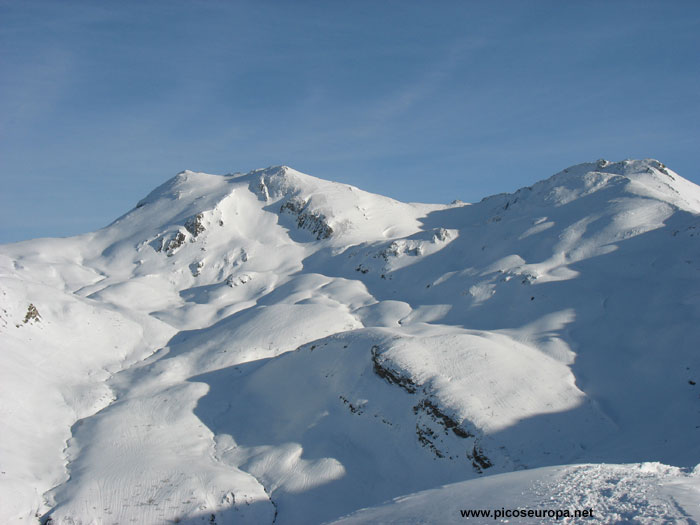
[(646, 178), (642, 177), (622, 167)]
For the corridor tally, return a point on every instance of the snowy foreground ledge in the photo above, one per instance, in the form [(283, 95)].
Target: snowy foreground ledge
[(646, 493), (271, 347)]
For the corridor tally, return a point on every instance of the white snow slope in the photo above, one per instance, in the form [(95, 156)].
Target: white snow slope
[(274, 348)]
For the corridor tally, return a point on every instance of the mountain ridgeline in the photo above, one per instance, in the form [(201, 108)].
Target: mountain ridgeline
[(272, 347)]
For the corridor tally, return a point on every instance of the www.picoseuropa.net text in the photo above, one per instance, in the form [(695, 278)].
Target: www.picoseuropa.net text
[(526, 513)]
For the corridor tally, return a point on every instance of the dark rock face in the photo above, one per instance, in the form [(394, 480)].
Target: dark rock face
[(32, 314), (194, 225), (432, 409), (390, 375), (173, 244), (312, 221), (479, 460), (436, 430)]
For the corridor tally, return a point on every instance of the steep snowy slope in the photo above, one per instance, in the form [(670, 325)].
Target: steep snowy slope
[(275, 347)]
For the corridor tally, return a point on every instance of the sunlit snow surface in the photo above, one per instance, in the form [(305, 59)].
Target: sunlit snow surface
[(272, 347)]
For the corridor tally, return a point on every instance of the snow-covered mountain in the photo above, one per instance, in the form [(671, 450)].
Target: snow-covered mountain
[(272, 347)]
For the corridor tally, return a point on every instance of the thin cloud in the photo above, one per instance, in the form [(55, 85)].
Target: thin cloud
[(395, 105)]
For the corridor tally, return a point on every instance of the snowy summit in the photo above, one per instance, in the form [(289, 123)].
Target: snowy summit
[(272, 347)]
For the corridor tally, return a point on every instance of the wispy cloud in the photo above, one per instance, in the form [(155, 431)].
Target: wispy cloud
[(389, 108)]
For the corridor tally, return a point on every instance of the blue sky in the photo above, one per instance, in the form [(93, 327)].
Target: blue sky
[(422, 101)]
